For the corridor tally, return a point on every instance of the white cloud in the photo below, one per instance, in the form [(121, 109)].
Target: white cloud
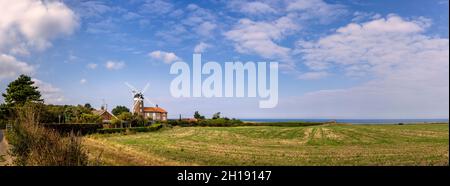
[(114, 65), (201, 47), (83, 81), (92, 65), (101, 27), (316, 9), (255, 8), (200, 19), (51, 94), (313, 75), (206, 28), (91, 9), (26, 24), (131, 16), (157, 7), (260, 38), (409, 71), (10, 67), (166, 57)]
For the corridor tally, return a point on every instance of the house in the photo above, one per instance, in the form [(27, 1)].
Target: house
[(155, 113), (106, 116)]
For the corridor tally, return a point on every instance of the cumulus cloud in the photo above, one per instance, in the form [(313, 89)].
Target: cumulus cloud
[(316, 9), (114, 65), (50, 93), (201, 47), (26, 24), (166, 57), (251, 8), (253, 37), (10, 67), (200, 19), (409, 71)]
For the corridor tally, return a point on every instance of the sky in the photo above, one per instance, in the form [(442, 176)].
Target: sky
[(338, 59)]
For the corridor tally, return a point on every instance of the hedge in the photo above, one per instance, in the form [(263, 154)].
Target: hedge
[(220, 122), (283, 124), (77, 128), (151, 128), (2, 124)]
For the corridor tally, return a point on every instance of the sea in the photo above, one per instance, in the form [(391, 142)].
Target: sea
[(355, 121)]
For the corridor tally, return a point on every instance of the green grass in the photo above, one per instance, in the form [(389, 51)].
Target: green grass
[(270, 145)]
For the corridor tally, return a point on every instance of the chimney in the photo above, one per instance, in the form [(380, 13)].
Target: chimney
[(156, 105)]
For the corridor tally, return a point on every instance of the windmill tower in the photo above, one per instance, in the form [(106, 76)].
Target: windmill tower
[(138, 103), (138, 99)]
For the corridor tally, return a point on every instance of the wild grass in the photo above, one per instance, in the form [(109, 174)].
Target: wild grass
[(33, 145), (419, 144)]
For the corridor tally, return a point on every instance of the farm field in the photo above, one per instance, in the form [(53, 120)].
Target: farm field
[(420, 144)]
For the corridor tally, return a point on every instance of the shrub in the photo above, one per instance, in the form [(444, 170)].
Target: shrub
[(66, 128), (111, 130), (3, 124), (33, 144), (151, 128)]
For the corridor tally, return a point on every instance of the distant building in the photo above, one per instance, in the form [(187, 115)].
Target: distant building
[(155, 113), (106, 116), (152, 113)]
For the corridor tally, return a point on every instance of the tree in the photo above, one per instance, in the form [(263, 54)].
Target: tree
[(198, 116), (90, 118), (88, 106), (21, 90), (125, 116), (119, 110), (216, 115)]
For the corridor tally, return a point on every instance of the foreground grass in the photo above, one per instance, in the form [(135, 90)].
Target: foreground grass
[(268, 145)]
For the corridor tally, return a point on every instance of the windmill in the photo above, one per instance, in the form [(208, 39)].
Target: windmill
[(138, 98)]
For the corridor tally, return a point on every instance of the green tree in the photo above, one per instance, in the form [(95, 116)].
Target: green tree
[(216, 115), (119, 110), (125, 116), (21, 90), (90, 118), (198, 116), (88, 106)]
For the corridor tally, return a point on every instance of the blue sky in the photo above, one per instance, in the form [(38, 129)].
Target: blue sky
[(339, 59)]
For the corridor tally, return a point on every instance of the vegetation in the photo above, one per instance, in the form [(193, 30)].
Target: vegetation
[(127, 119), (33, 144), (21, 91), (67, 128), (119, 110), (150, 128), (283, 124), (421, 144), (220, 122), (198, 116)]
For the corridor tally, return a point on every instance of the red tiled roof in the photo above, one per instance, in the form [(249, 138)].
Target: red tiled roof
[(154, 109)]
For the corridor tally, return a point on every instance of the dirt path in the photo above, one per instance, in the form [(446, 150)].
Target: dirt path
[(5, 159)]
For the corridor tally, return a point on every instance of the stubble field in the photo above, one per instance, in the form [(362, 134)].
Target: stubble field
[(421, 144)]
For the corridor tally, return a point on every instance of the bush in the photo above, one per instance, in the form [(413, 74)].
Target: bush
[(66, 128), (3, 124), (33, 144), (218, 122), (151, 128), (111, 130)]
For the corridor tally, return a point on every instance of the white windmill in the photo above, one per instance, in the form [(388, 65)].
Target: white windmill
[(138, 98)]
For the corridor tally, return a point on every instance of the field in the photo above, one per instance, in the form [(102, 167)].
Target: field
[(421, 144)]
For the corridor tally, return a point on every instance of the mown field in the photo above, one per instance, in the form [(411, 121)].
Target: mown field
[(421, 144)]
